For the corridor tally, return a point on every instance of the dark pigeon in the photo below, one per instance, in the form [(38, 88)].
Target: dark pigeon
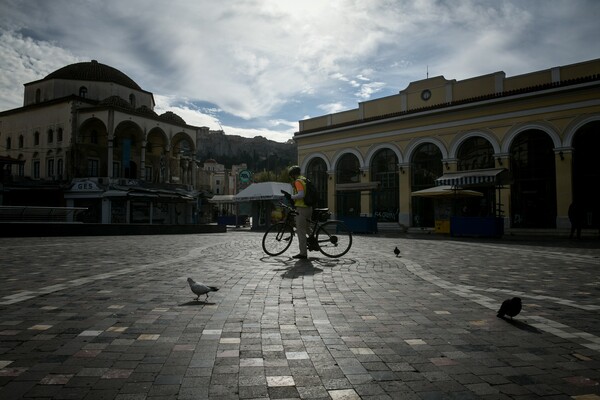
[(510, 307), (397, 251)]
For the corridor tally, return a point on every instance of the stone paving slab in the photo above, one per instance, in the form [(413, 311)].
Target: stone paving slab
[(113, 318)]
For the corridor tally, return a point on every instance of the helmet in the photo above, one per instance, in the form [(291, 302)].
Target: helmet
[(294, 170)]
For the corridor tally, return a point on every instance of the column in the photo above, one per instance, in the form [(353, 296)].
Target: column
[(142, 173), (564, 186), (365, 195), (404, 196), (331, 193)]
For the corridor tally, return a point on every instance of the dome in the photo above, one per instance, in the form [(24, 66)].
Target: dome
[(93, 71), (172, 117), (116, 101), (146, 110)]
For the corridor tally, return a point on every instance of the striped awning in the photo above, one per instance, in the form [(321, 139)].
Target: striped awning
[(473, 177)]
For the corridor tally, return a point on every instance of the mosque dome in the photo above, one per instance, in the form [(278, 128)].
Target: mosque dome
[(93, 71), (116, 101), (172, 117)]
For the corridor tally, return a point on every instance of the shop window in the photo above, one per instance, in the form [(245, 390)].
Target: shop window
[(92, 169), (36, 169), (60, 168), (50, 168)]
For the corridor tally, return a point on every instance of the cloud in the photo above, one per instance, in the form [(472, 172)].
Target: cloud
[(257, 61)]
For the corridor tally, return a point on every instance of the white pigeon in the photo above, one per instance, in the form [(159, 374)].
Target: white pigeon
[(199, 289)]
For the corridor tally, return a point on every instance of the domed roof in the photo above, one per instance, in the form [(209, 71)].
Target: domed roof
[(146, 110), (116, 101), (93, 71), (172, 117)]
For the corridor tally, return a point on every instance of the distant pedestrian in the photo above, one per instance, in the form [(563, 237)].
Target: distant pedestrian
[(576, 219)]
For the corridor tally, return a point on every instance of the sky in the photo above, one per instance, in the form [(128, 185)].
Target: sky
[(257, 67)]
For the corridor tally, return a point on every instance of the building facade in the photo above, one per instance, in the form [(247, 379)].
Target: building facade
[(527, 143), (87, 136)]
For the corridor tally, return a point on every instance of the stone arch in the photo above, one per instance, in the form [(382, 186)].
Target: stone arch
[(574, 126), (374, 149), (461, 138), (342, 152), (541, 126), (414, 144), (311, 157)]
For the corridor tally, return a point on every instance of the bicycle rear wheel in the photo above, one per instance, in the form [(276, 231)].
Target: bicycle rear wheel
[(334, 239), (277, 239)]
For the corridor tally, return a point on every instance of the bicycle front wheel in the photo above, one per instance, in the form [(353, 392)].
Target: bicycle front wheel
[(334, 239), (277, 239)]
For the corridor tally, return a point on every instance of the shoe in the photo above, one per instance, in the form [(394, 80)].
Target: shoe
[(300, 256)]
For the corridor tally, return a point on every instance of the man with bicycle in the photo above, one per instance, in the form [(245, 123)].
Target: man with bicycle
[(304, 211)]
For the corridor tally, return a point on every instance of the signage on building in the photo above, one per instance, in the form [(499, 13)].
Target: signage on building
[(245, 176), (85, 186)]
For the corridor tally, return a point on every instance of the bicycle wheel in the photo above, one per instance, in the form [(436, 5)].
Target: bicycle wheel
[(334, 239), (277, 239)]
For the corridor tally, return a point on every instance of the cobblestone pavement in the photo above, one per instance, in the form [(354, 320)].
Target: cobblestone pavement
[(114, 318)]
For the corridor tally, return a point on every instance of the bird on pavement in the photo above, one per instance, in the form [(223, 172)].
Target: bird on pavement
[(510, 307), (397, 251), (199, 288)]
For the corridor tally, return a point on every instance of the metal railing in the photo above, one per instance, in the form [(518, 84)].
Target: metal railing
[(38, 214)]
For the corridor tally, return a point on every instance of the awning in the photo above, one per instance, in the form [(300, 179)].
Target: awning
[(473, 177), (263, 191), (446, 191), (222, 199), (358, 186)]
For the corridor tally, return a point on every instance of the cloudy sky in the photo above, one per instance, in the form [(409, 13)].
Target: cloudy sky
[(257, 67)]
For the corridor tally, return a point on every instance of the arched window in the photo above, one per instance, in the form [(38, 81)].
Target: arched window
[(94, 137), (348, 171), (59, 135), (83, 92), (36, 138), (8, 143), (50, 135), (533, 191), (384, 169), (426, 167), (132, 100), (21, 140), (60, 168), (475, 153), (317, 173)]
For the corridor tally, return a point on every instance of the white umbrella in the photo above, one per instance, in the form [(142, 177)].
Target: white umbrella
[(263, 191)]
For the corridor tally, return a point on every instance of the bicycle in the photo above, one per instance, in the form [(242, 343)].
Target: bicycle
[(330, 237)]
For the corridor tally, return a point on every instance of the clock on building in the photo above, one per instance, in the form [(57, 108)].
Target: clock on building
[(426, 94)]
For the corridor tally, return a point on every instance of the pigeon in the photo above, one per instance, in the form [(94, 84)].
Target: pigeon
[(397, 251), (510, 307), (199, 289)]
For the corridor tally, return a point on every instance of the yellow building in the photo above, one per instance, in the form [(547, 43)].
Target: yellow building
[(87, 136), (526, 144)]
